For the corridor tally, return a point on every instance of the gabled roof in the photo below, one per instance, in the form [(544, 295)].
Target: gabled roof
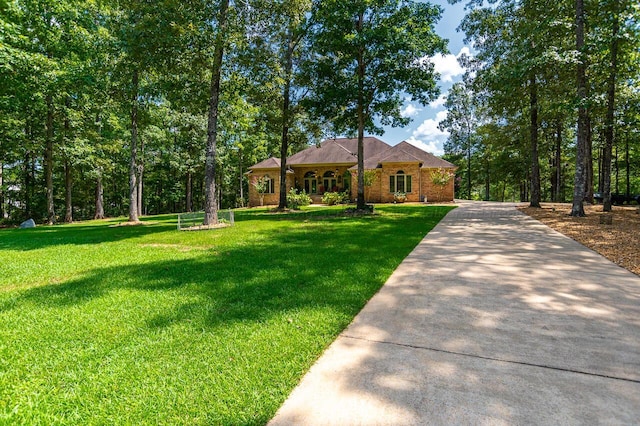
[(269, 163), (343, 151), (337, 151), (391, 156), (404, 152)]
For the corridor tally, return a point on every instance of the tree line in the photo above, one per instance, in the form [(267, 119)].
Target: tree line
[(111, 107), (550, 106)]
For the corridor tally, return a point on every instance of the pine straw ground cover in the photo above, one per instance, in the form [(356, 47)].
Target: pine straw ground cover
[(147, 325), (618, 242)]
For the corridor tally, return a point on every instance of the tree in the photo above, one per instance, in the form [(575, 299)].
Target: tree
[(517, 43), (461, 122), (577, 208), (211, 203), (440, 178), (277, 46), (368, 55), (370, 177)]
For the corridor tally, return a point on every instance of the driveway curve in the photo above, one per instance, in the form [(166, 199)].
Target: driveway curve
[(494, 318)]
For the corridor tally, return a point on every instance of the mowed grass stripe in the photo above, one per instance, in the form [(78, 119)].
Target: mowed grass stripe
[(103, 324)]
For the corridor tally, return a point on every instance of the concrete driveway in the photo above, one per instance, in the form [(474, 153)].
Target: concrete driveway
[(494, 319)]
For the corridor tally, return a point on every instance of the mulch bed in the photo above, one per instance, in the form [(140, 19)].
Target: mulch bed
[(618, 241)]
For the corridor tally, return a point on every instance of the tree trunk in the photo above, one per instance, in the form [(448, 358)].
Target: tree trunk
[(609, 123), (535, 162), (558, 163), (240, 178), (361, 203), (588, 188), (286, 102), (468, 164), (48, 161), (133, 186), (68, 182), (617, 166), (68, 215), (188, 192), (600, 170), (139, 190), (2, 210), (627, 167), (577, 208), (99, 199), (210, 196), (487, 181), (140, 169), (27, 184)]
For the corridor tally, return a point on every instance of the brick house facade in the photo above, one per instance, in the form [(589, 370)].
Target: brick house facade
[(332, 167)]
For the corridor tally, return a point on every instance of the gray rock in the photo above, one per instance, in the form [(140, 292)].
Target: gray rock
[(28, 224)]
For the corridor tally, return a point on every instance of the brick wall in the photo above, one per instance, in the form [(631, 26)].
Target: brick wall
[(409, 169), (421, 185), (378, 192), (269, 199), (435, 193), (372, 193)]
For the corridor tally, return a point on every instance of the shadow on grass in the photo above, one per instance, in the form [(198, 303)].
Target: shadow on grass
[(83, 233), (338, 262), (230, 325)]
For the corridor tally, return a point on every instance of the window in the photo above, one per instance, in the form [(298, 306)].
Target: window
[(400, 182), (310, 184), (269, 185), (346, 181), (329, 181)]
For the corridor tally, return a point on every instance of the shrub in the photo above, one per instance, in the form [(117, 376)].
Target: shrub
[(399, 197), (331, 198), (297, 199)]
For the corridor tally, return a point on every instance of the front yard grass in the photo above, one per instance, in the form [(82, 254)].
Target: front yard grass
[(149, 325)]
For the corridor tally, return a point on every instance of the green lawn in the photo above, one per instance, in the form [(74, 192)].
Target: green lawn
[(149, 325)]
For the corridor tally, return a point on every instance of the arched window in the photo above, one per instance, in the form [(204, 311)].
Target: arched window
[(400, 182), (329, 181), (310, 184)]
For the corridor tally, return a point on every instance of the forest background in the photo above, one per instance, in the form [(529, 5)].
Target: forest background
[(105, 106)]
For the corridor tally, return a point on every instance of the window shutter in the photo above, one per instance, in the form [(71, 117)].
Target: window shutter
[(392, 184), (408, 183)]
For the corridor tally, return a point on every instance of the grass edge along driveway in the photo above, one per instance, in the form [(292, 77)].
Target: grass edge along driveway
[(103, 324)]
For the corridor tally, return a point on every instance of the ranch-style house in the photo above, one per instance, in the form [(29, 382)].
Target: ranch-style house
[(331, 166)]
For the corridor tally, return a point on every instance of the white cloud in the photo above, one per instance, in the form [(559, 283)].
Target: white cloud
[(447, 65), (429, 137), (410, 111), (439, 102)]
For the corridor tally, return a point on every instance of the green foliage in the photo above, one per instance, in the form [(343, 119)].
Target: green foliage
[(333, 198), (369, 177), (525, 62), (297, 199), (388, 40), (367, 57), (124, 324), (261, 184), (441, 176)]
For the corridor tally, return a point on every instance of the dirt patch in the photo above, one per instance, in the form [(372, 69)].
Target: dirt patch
[(615, 234), (206, 227), (129, 223)]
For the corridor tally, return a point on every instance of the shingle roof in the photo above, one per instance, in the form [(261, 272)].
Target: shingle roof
[(338, 151), (269, 163), (344, 151), (404, 152)]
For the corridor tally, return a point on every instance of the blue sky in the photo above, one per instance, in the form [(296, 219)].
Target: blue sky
[(423, 131)]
